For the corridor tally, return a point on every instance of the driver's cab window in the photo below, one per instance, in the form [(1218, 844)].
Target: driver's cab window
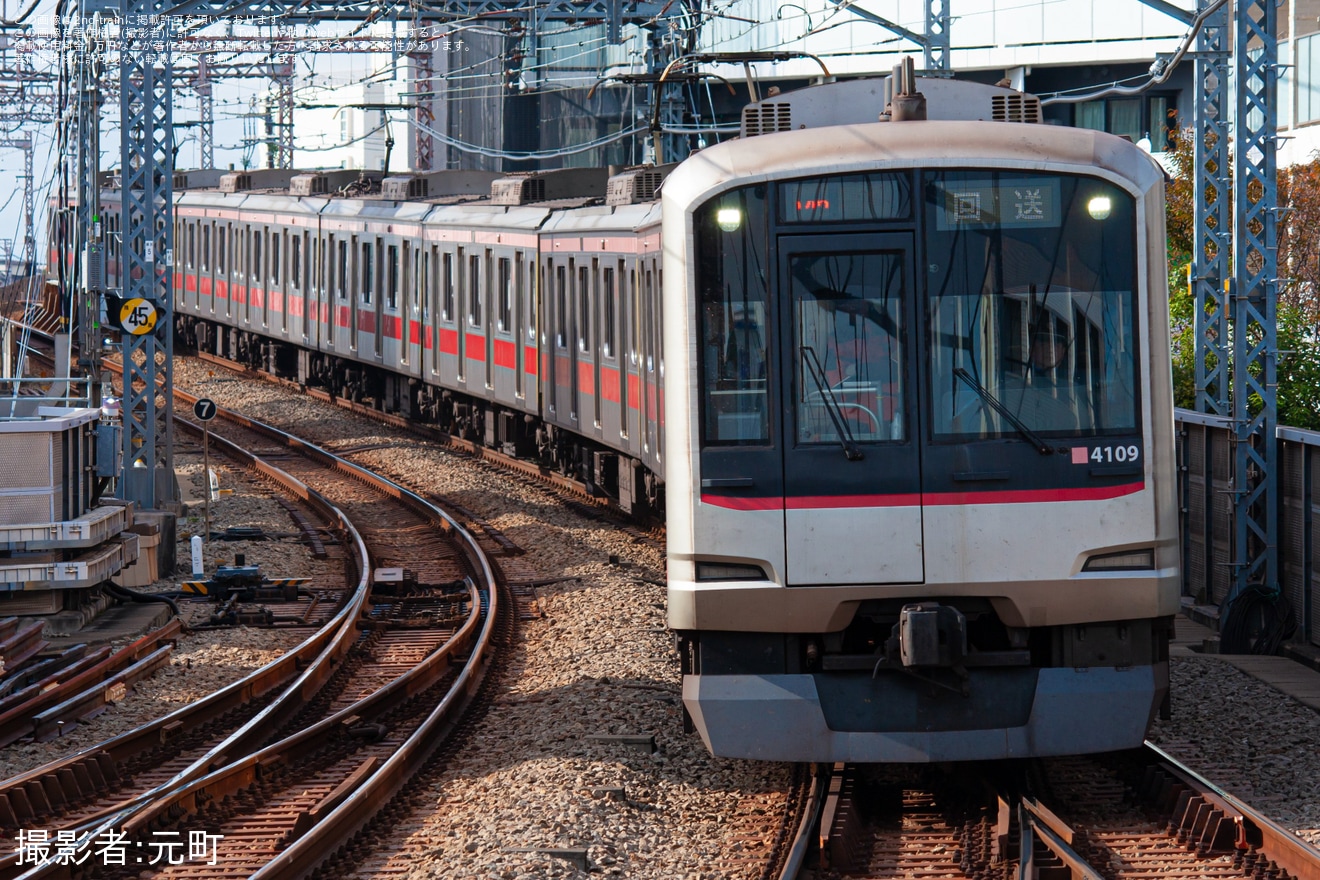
[(848, 382), (733, 319)]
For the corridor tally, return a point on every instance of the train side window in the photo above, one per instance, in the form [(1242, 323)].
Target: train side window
[(295, 261), (392, 276), (634, 326), (221, 242), (447, 278), (561, 307), (474, 290), (378, 279), (342, 277), (506, 294), (275, 257), (607, 314), (584, 309), (648, 305), (427, 281), (328, 255), (366, 272), (192, 244), (417, 277), (206, 247), (538, 285), (254, 258)]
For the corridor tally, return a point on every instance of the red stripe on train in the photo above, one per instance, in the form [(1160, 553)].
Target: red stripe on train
[(933, 499)]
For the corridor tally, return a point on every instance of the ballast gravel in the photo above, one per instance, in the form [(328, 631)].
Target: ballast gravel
[(547, 767)]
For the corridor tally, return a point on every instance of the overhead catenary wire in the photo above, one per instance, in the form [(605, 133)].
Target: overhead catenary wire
[(1160, 70)]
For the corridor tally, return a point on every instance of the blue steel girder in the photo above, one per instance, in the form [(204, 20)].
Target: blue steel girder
[(936, 47), (146, 168), (1212, 241), (1254, 297)]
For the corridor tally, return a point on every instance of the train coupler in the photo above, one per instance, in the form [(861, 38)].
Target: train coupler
[(928, 637)]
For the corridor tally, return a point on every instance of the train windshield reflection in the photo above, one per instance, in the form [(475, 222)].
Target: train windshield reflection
[(1031, 294)]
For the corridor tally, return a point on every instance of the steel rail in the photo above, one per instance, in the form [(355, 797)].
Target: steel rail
[(1252, 829), (310, 665), (1035, 821), (247, 770), (343, 822), (18, 715), (373, 790)]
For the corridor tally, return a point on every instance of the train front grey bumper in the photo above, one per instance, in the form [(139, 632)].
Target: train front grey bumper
[(780, 718)]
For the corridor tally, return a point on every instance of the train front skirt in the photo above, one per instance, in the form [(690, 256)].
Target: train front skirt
[(895, 718)]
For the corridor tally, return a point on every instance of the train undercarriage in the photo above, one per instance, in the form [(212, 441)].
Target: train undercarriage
[(605, 472)]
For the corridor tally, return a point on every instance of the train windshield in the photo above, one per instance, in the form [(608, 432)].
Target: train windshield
[(1031, 303), (733, 265)]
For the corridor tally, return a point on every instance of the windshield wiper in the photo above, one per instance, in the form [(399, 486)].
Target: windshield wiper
[(1031, 436), (850, 449)]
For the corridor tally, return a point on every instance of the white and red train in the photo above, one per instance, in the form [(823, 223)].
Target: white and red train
[(916, 450), (526, 317)]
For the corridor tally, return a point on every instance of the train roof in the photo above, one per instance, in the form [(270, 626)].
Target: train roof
[(914, 144), (564, 214)]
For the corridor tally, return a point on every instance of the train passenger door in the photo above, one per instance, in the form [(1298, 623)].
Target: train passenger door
[(852, 470), (577, 339), (626, 355), (387, 270), (519, 323), (493, 297), (650, 344)]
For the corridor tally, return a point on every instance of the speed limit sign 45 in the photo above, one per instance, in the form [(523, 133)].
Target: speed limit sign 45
[(137, 316)]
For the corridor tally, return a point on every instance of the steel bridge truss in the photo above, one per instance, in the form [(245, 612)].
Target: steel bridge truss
[(146, 162), (1253, 298), (147, 216)]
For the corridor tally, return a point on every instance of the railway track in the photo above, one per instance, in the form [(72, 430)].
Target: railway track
[(124, 771), (1122, 816), (358, 722), (749, 843)]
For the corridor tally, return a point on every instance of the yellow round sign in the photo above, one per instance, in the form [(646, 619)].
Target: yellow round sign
[(137, 316)]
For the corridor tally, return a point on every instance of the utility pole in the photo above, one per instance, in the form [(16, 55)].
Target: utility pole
[(147, 250), (1254, 299), (1212, 241)]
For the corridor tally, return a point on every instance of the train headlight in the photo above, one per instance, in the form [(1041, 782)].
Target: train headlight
[(729, 219), (1128, 560), (1099, 207)]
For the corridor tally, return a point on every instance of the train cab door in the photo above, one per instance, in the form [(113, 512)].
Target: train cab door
[(852, 470)]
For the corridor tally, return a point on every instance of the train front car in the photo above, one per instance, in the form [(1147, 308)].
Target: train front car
[(921, 476)]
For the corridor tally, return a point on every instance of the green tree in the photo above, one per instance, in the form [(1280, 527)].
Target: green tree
[(1298, 286)]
